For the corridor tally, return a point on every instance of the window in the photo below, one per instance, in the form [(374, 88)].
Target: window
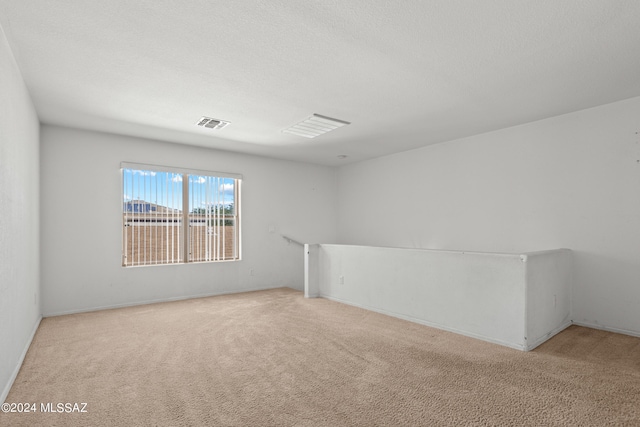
[(172, 215)]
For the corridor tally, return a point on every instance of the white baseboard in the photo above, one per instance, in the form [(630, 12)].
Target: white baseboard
[(608, 328), (7, 387), (427, 323), (154, 301), (548, 336)]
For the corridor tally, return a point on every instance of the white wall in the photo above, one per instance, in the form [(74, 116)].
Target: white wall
[(19, 219), (81, 222), (548, 300), (571, 181)]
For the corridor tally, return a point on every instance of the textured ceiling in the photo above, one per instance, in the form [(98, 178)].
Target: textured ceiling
[(405, 74)]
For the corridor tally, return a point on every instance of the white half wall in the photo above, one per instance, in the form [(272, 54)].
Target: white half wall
[(19, 219), (311, 272), (549, 276), (81, 222), (569, 181), (483, 295)]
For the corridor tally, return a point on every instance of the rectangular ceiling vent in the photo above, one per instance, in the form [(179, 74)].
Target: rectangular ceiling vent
[(210, 123), (315, 125)]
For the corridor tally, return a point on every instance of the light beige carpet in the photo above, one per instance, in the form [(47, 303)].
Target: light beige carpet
[(274, 358)]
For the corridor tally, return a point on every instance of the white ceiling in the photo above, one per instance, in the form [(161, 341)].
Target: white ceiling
[(405, 73)]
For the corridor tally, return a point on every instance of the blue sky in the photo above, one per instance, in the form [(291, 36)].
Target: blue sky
[(165, 188)]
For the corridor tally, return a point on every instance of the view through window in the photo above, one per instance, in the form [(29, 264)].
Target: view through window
[(174, 215)]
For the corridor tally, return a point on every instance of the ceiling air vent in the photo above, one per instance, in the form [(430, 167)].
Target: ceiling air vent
[(210, 123), (315, 125)]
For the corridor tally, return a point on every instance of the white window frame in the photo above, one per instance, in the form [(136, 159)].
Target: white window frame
[(184, 216)]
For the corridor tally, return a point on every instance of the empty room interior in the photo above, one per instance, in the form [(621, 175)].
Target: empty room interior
[(320, 213)]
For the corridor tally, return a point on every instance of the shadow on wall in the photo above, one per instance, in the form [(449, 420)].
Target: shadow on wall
[(619, 277)]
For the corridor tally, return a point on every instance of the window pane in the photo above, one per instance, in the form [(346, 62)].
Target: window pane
[(152, 217), (212, 220)]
